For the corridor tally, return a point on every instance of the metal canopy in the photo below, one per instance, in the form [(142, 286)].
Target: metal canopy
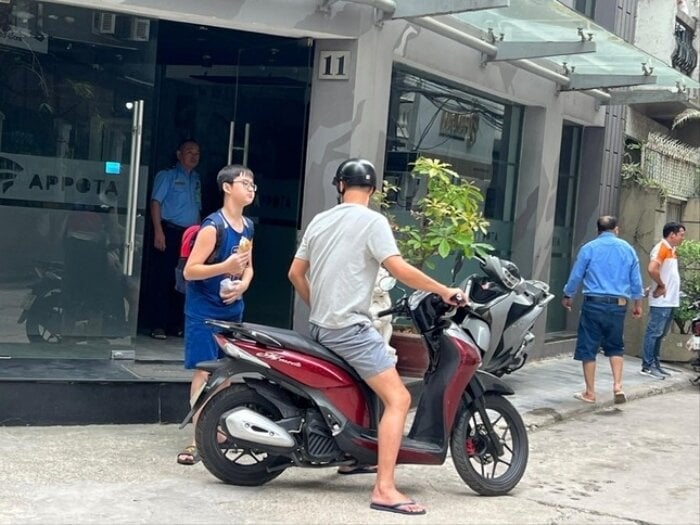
[(416, 8), (646, 96), (591, 81), (544, 30), (518, 50), (544, 21)]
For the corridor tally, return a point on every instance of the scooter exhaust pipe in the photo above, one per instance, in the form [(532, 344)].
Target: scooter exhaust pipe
[(250, 429)]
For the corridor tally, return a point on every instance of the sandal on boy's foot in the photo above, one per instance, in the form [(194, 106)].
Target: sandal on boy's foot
[(357, 469), (619, 397), (399, 508), (188, 456), (581, 397)]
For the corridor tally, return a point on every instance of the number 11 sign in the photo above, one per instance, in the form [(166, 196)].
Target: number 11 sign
[(333, 65)]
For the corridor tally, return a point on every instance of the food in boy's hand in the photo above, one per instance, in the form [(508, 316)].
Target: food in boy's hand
[(245, 245)]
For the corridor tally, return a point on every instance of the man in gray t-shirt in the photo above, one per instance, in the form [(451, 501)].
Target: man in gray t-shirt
[(334, 271)]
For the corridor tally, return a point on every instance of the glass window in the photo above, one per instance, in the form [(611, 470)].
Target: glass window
[(479, 137), (66, 75), (564, 213)]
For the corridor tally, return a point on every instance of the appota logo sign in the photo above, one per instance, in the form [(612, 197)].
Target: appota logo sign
[(46, 179), (9, 171)]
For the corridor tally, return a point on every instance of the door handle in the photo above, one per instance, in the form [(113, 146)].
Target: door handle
[(132, 198), (231, 143)]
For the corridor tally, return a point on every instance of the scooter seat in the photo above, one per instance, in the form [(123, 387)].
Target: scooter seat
[(292, 340)]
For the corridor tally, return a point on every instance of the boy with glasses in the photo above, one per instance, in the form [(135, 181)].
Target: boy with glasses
[(206, 298)]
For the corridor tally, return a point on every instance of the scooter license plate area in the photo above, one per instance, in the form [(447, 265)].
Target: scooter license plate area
[(28, 301)]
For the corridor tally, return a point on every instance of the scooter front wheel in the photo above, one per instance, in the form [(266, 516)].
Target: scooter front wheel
[(490, 469), (226, 460)]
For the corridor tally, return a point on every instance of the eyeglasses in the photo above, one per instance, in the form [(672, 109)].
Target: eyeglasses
[(247, 184)]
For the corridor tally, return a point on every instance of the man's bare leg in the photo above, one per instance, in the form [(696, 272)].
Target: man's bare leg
[(589, 378), (616, 364), (397, 401)]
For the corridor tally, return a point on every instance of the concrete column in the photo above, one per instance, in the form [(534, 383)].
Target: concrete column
[(537, 191), (344, 121), (537, 196)]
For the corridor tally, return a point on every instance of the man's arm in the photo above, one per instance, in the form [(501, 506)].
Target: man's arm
[(297, 275), (158, 235), (654, 271), (575, 278), (413, 277)]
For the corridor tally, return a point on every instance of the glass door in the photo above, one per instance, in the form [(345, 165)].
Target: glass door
[(73, 85), (244, 98)]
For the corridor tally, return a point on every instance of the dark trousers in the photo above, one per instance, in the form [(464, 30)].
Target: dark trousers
[(167, 304)]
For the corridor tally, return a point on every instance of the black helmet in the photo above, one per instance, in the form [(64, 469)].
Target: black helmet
[(356, 172)]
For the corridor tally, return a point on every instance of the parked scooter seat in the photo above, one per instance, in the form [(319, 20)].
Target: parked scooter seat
[(293, 341)]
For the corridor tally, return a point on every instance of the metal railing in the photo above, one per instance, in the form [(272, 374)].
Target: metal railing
[(684, 57)]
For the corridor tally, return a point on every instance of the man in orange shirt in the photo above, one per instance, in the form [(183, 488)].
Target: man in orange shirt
[(665, 296)]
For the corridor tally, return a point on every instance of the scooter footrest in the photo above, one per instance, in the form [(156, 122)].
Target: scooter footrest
[(422, 446)]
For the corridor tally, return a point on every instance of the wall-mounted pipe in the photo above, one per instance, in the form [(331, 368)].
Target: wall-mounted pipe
[(386, 6)]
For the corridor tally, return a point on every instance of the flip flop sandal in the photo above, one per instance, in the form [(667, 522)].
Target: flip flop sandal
[(158, 333), (188, 456), (620, 398), (579, 396), (399, 508)]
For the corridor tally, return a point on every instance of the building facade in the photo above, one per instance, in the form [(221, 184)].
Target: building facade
[(95, 96)]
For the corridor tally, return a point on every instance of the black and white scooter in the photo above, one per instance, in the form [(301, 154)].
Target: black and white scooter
[(502, 311)]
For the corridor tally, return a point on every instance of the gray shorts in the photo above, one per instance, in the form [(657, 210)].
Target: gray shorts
[(360, 345)]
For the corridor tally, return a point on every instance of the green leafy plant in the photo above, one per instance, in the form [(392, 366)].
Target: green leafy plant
[(631, 172), (689, 267), (448, 219)]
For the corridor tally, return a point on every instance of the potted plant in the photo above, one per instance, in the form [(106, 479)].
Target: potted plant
[(446, 220)]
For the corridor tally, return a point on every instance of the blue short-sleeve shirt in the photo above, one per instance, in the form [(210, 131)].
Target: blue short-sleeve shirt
[(179, 195)]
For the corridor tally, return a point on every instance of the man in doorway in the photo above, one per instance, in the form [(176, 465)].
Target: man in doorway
[(175, 205), (666, 295), (608, 267)]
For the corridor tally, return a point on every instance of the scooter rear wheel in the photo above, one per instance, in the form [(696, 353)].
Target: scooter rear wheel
[(486, 473), (228, 462)]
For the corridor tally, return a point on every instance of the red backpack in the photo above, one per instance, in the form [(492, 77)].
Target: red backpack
[(187, 243)]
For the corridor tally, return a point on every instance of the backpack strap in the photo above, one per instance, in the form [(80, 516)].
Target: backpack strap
[(219, 222), (249, 230)]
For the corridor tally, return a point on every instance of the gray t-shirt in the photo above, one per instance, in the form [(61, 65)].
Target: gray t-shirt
[(345, 247)]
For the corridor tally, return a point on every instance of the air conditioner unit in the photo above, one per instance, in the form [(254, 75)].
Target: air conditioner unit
[(140, 29), (104, 23)]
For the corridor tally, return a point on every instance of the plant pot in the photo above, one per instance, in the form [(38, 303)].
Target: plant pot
[(411, 353)]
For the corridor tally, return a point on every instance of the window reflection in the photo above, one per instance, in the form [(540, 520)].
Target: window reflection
[(66, 75), (478, 136)]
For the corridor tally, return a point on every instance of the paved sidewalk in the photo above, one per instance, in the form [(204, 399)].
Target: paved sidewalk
[(544, 389)]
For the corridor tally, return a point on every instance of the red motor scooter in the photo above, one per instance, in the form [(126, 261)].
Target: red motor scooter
[(280, 400)]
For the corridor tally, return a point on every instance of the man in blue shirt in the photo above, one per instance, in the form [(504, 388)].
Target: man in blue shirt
[(608, 267), (175, 205)]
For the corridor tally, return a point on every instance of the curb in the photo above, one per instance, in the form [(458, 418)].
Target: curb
[(546, 416)]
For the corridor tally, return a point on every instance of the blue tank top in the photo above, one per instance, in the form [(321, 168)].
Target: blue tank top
[(202, 299)]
